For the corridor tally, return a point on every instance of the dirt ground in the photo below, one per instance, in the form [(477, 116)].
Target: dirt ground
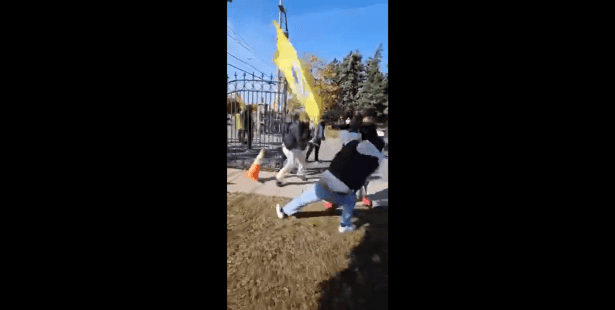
[(303, 262)]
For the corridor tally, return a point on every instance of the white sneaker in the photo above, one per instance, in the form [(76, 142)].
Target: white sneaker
[(279, 211), (347, 228)]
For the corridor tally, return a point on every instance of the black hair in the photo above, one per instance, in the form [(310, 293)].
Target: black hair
[(369, 133), (356, 124), (371, 112)]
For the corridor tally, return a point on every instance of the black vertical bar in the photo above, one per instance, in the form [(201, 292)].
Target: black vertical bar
[(260, 119), (251, 103), (285, 99), (227, 111), (234, 110), (280, 105)]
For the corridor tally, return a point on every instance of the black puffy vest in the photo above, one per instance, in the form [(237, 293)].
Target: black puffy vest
[(352, 167)]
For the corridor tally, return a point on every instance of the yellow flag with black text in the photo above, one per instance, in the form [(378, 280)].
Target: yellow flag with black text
[(300, 80)]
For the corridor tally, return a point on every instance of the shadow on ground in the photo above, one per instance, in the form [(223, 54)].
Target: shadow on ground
[(364, 284), (298, 183), (244, 153), (316, 170), (263, 180), (381, 198), (363, 216)]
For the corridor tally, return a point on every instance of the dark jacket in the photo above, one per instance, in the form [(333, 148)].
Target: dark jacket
[(354, 126), (353, 167), (297, 137), (368, 131), (246, 117), (319, 133)]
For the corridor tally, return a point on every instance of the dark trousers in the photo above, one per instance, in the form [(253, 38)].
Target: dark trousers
[(245, 136), (240, 135), (249, 134), (309, 151)]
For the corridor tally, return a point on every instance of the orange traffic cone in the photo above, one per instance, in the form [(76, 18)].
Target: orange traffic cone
[(256, 166)]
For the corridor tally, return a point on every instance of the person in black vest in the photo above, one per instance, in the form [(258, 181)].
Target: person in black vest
[(294, 145), (319, 135), (238, 119), (348, 171)]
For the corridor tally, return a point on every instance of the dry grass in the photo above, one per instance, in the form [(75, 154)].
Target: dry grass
[(281, 264)]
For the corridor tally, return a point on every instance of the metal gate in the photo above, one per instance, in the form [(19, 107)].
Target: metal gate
[(265, 100)]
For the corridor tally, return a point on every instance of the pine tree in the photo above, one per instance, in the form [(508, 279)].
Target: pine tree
[(386, 93), (349, 79), (373, 88)]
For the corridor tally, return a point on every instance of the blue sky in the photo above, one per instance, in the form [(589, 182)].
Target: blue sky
[(330, 29)]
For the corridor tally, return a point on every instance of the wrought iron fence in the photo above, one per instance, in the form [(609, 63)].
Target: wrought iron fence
[(260, 122)]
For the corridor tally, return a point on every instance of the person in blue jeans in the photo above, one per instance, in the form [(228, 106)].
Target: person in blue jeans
[(348, 171)]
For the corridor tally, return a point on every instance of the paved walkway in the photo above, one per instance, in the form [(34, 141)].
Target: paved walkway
[(237, 182)]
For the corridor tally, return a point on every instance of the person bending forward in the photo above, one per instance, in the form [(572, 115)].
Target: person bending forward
[(348, 171)]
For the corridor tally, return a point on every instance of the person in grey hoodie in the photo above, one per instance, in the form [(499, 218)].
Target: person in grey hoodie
[(319, 135)]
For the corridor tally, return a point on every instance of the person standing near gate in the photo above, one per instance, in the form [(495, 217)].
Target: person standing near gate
[(294, 145), (239, 126), (247, 125), (319, 135)]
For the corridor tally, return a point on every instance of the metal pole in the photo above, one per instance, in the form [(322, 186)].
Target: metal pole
[(279, 97), (286, 91)]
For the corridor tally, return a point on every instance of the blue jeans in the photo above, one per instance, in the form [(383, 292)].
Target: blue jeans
[(316, 193)]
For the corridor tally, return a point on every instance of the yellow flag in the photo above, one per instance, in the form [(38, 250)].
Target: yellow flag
[(300, 80)]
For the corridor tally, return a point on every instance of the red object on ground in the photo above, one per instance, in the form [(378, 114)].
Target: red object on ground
[(328, 205), (367, 202)]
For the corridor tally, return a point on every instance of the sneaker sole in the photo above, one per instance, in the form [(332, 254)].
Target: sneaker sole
[(343, 230), (278, 211)]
